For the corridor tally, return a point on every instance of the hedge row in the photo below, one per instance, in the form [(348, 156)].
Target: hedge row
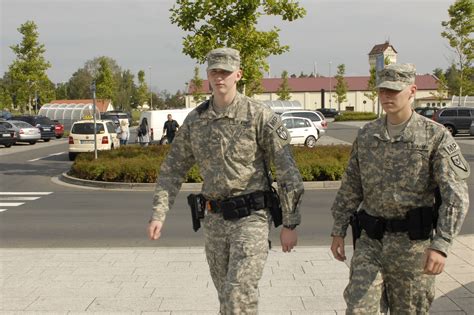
[(136, 164), (345, 116)]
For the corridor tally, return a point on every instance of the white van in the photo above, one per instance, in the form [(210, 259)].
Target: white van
[(157, 118)]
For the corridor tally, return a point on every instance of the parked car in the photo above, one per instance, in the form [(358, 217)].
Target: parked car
[(7, 136), (116, 115), (302, 131), (58, 129), (428, 112), (43, 123), (23, 130), (456, 119), (81, 137), (5, 114), (329, 112), (319, 122)]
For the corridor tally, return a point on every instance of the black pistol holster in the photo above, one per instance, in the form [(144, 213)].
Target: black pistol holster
[(356, 229), (197, 203), (274, 205)]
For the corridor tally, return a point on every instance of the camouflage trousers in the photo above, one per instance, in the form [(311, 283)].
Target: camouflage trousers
[(390, 269), (236, 252)]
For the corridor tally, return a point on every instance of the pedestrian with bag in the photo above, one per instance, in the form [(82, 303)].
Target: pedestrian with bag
[(143, 132), (233, 139), (124, 132), (400, 165)]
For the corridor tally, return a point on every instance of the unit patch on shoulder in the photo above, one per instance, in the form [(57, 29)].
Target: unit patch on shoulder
[(451, 148), (273, 122), (458, 162), (282, 133), (459, 165)]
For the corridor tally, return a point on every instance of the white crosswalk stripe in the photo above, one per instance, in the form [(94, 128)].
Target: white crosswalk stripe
[(7, 199)]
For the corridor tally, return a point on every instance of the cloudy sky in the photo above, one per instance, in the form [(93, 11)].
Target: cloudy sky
[(139, 36)]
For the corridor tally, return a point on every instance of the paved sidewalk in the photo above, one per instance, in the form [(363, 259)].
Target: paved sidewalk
[(176, 281)]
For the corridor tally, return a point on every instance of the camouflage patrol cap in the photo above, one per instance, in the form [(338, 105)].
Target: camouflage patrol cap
[(396, 76), (223, 58)]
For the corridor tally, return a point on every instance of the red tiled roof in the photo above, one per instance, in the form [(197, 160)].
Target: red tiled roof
[(101, 104), (380, 48), (359, 83)]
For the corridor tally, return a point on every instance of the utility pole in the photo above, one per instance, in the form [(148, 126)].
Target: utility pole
[(95, 123), (330, 86), (151, 93)]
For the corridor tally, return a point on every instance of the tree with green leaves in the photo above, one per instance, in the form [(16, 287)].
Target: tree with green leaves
[(28, 71), (79, 85), (341, 86), (284, 91), (124, 95), (372, 88), (105, 82), (230, 23), (442, 88), (196, 86), (6, 100), (458, 31), (142, 90)]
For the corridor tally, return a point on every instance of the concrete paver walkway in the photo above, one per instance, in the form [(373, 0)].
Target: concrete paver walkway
[(177, 281)]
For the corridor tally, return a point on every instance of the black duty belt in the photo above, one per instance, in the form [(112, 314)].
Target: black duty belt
[(252, 201), (388, 225)]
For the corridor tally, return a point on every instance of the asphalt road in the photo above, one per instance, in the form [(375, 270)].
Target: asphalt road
[(48, 214)]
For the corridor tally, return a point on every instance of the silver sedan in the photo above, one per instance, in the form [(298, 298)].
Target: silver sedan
[(24, 131)]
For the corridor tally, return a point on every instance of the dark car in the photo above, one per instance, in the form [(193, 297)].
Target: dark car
[(5, 114), (43, 123), (456, 119), (329, 112), (428, 112), (58, 129), (7, 136), (115, 115)]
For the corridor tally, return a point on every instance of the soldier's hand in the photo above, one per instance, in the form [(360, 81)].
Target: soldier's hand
[(435, 261), (288, 239), (154, 230), (337, 248)]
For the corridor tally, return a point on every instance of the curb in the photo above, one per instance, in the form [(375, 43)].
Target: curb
[(64, 177)]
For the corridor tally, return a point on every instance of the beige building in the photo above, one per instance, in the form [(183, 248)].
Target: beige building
[(315, 93), (389, 53), (318, 92)]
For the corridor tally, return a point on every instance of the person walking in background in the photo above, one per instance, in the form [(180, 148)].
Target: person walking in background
[(144, 132), (233, 139), (124, 133), (169, 129), (400, 165)]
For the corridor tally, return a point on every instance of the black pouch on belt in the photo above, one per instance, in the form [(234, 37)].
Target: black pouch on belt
[(420, 223), (373, 226), (234, 208)]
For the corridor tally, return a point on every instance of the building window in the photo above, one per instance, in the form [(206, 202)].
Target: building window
[(364, 102)]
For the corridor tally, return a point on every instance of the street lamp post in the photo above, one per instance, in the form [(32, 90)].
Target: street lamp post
[(330, 86), (95, 123), (151, 94)]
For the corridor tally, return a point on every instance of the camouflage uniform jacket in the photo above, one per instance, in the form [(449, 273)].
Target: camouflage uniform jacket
[(387, 177), (230, 149)]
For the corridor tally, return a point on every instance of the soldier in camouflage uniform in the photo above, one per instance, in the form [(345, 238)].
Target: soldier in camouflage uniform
[(396, 163), (233, 139)]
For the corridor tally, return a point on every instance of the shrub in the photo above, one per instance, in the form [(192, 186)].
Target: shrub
[(345, 116), (136, 164)]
